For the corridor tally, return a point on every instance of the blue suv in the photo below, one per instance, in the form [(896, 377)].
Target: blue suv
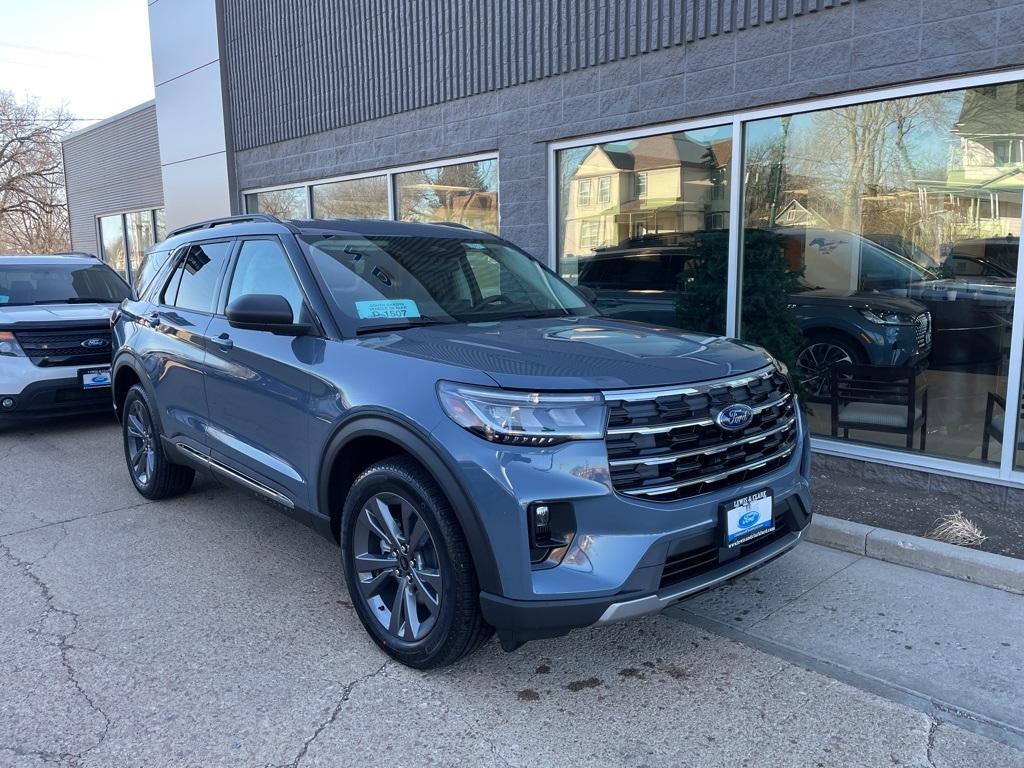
[(490, 453)]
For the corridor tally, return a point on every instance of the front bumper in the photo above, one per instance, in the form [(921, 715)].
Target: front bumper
[(519, 621), (53, 392), (629, 556)]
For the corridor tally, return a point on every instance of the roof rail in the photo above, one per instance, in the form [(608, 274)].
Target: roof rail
[(223, 221)]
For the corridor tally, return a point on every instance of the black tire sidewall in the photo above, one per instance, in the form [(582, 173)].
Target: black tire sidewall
[(384, 479), (137, 393)]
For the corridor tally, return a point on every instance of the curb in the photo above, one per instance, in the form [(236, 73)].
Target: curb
[(984, 568)]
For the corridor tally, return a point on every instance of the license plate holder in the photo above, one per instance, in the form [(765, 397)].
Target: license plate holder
[(747, 518), (94, 378)]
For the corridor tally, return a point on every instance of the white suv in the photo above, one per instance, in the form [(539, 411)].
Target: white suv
[(55, 334)]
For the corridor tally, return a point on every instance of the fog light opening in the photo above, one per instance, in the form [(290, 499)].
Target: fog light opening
[(7, 402), (551, 527)]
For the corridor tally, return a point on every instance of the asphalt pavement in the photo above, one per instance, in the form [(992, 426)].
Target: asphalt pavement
[(211, 630)]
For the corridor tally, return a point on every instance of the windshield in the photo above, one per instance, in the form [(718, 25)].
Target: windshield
[(382, 282), (72, 283)]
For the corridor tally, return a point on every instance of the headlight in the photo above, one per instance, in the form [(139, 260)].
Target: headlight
[(783, 368), (887, 318), (9, 346), (524, 418)]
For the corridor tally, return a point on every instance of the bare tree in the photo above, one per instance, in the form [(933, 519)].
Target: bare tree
[(33, 204)]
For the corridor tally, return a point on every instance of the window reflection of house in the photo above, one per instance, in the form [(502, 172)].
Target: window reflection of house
[(673, 183)]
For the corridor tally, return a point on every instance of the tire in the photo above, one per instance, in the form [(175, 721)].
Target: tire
[(154, 475), (816, 358), (439, 566)]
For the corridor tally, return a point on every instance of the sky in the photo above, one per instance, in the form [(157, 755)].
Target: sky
[(89, 55)]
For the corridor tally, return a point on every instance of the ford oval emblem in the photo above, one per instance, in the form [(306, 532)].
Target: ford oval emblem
[(95, 343), (749, 519), (735, 417)]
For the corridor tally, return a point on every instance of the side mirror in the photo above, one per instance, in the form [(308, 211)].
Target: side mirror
[(264, 312)]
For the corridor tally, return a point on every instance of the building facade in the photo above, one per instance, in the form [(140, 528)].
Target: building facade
[(839, 180)]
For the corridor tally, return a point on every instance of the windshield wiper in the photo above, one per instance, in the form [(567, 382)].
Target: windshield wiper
[(402, 324), (90, 300)]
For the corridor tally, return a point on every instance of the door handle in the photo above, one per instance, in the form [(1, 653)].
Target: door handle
[(153, 318), (224, 342)]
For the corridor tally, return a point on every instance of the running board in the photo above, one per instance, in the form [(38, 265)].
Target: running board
[(238, 477)]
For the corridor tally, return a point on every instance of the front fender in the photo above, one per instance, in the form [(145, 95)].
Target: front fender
[(411, 439)]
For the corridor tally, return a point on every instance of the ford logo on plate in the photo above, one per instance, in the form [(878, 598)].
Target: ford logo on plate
[(95, 343), (735, 417), (747, 520)]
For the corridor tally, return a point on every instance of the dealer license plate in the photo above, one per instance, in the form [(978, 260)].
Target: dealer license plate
[(95, 378), (747, 518)]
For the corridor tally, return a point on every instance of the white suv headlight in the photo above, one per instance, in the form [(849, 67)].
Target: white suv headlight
[(9, 346), (524, 418)]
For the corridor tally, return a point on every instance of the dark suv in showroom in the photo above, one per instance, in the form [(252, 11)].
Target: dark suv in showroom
[(487, 449), (645, 279)]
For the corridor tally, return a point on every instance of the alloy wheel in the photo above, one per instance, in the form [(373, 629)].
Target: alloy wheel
[(814, 365), (397, 566), (141, 443)]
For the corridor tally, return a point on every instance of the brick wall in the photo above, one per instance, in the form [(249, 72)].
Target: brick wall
[(839, 48)]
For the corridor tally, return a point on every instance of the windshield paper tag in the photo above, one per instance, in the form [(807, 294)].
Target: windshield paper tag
[(387, 309)]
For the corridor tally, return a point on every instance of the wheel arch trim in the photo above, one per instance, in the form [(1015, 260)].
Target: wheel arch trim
[(416, 443)]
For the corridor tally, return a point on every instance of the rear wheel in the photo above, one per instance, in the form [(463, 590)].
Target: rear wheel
[(408, 567), (154, 475), (815, 360)]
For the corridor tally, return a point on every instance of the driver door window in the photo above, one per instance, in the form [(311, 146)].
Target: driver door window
[(263, 267)]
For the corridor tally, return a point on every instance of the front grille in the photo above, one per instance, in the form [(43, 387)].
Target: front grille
[(923, 331), (665, 445), (65, 347)]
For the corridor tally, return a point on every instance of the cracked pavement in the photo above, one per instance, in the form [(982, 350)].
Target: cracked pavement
[(211, 630)]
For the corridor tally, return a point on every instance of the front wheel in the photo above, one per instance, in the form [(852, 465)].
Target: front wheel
[(154, 475), (408, 567)]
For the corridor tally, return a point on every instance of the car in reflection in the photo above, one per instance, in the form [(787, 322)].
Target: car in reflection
[(642, 279), (970, 316), (991, 258)]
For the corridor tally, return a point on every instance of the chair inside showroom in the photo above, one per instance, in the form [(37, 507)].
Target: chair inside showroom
[(995, 422), (879, 398)]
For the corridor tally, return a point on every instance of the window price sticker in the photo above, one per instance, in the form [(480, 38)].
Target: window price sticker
[(387, 309)]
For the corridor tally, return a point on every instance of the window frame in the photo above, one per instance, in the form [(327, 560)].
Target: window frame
[(1004, 474), (604, 190), (637, 185)]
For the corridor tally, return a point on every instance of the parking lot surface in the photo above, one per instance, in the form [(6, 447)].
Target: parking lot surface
[(211, 630)]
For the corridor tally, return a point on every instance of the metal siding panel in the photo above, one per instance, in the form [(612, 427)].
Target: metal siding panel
[(296, 68), (112, 168)]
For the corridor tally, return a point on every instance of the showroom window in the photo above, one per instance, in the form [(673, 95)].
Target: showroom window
[(463, 193), (859, 222), (872, 245), (658, 252), (354, 199), (291, 203), (460, 191), (125, 238)]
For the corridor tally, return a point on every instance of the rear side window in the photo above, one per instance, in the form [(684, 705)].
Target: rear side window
[(193, 285)]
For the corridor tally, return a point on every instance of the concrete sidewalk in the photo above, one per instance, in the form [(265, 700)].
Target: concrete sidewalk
[(946, 647)]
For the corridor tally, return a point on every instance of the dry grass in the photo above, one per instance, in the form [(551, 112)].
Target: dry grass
[(957, 529)]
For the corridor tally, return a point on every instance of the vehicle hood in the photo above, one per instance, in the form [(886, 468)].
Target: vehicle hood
[(575, 353), (54, 314), (858, 300)]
